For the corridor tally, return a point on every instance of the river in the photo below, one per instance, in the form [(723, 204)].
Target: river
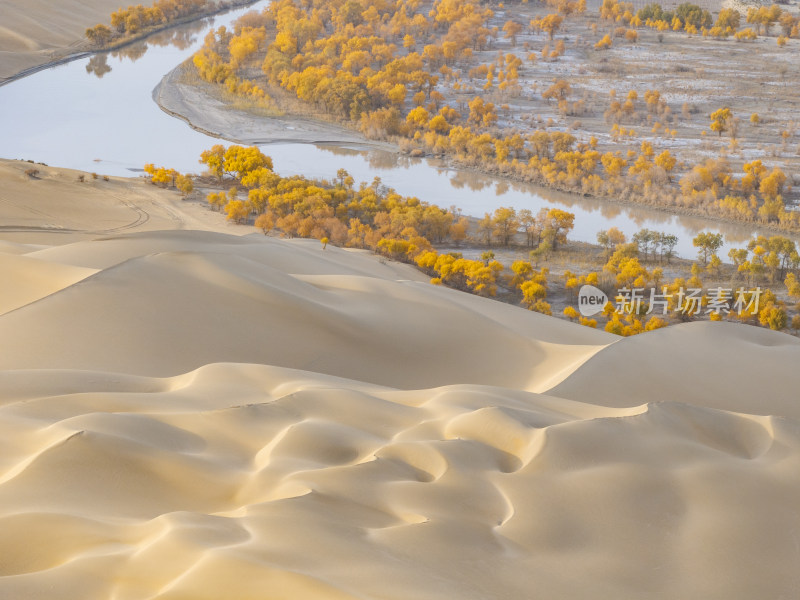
[(97, 114)]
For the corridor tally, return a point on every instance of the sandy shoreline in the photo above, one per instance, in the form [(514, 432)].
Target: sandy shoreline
[(196, 105), (201, 111), (25, 50)]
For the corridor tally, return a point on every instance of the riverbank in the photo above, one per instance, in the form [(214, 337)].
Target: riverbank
[(36, 36), (202, 107), (670, 138)]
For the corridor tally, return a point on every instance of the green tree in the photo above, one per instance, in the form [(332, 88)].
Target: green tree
[(709, 244), (486, 229), (691, 14), (668, 243)]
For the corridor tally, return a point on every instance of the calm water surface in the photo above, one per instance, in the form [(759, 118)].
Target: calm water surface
[(97, 114)]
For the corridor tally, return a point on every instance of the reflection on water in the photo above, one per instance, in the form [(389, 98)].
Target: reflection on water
[(610, 211), (109, 123), (181, 37), (387, 160), (132, 52), (98, 65), (430, 179), (339, 150), (376, 158), (476, 193), (470, 181)]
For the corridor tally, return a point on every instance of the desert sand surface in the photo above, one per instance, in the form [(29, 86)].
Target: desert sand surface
[(191, 414), (53, 207), (35, 32)]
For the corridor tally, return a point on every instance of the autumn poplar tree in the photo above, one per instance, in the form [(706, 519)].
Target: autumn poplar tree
[(721, 120), (511, 30), (557, 224)]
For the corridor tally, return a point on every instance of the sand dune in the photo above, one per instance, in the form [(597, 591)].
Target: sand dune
[(225, 299), (722, 365), (190, 414), (34, 32), (53, 207), (26, 280)]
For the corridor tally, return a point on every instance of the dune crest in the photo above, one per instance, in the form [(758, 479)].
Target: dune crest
[(193, 415)]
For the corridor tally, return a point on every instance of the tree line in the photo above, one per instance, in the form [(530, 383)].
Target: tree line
[(391, 70)]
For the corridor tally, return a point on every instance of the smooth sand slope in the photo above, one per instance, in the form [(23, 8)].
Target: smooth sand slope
[(35, 32), (53, 207), (166, 303), (194, 415)]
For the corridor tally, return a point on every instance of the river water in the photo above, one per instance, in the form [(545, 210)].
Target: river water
[(97, 114)]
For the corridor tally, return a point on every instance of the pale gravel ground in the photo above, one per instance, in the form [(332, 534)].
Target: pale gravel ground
[(211, 116)]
